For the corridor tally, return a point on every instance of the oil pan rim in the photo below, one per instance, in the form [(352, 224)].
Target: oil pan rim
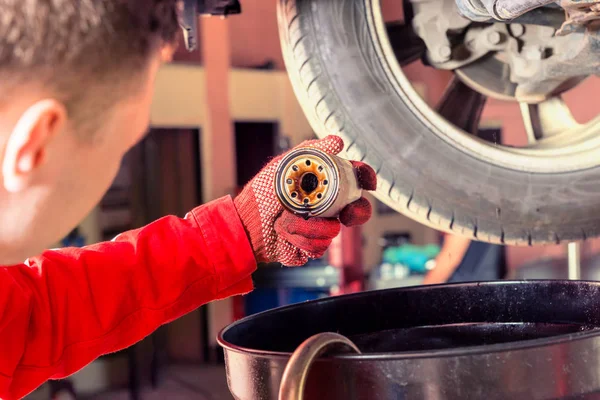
[(437, 353)]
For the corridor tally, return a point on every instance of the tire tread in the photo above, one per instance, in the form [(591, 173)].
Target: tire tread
[(304, 64)]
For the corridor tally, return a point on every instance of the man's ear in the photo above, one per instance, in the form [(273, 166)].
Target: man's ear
[(27, 144), (167, 52)]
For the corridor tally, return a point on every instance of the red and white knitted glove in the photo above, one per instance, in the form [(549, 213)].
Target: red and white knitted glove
[(277, 235)]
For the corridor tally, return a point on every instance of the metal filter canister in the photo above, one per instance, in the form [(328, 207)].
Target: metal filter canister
[(311, 183)]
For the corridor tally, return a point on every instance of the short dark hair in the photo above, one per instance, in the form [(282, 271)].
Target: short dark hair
[(78, 46)]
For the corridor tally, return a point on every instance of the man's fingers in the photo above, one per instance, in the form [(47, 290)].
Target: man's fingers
[(298, 259), (356, 213), (367, 178), (313, 228), (332, 144), (313, 256), (311, 237), (315, 248)]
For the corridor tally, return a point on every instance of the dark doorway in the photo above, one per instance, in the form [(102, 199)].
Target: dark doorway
[(492, 135), (255, 144), (159, 176), (169, 167)]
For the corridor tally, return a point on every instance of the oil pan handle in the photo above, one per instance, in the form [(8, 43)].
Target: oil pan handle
[(296, 370)]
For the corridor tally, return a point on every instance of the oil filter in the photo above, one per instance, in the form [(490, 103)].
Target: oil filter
[(311, 183)]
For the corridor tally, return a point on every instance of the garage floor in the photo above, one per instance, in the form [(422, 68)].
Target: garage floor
[(181, 383), (178, 383)]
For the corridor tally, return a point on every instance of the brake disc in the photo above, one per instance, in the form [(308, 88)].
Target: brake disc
[(510, 61)]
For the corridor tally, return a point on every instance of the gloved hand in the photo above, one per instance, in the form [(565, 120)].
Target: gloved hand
[(276, 235)]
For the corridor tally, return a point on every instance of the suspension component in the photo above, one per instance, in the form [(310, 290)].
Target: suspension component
[(311, 183), (501, 10)]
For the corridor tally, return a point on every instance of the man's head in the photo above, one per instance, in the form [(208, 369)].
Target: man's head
[(76, 84)]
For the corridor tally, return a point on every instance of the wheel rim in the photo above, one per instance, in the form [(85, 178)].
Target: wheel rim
[(557, 143)]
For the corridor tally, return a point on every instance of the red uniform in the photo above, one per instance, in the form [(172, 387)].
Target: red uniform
[(115, 293)]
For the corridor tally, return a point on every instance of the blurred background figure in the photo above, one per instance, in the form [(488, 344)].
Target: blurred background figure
[(463, 260), (62, 390)]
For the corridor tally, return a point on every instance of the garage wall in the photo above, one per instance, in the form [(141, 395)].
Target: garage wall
[(179, 96), (254, 35)]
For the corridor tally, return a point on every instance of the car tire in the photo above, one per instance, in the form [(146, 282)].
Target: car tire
[(334, 59)]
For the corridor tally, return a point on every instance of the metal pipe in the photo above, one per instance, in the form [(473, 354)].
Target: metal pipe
[(501, 10), (574, 260), (546, 16), (511, 9)]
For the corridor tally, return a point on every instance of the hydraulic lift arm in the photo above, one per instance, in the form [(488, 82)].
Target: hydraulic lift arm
[(193, 8)]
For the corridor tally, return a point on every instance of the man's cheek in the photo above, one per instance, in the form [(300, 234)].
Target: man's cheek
[(140, 137)]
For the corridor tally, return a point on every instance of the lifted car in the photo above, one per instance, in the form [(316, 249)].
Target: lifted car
[(346, 66)]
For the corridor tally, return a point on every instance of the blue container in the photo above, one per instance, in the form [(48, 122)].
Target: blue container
[(266, 299)]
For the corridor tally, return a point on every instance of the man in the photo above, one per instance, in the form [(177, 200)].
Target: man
[(463, 260), (76, 87)]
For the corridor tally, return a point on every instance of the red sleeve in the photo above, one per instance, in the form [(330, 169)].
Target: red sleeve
[(63, 309)]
